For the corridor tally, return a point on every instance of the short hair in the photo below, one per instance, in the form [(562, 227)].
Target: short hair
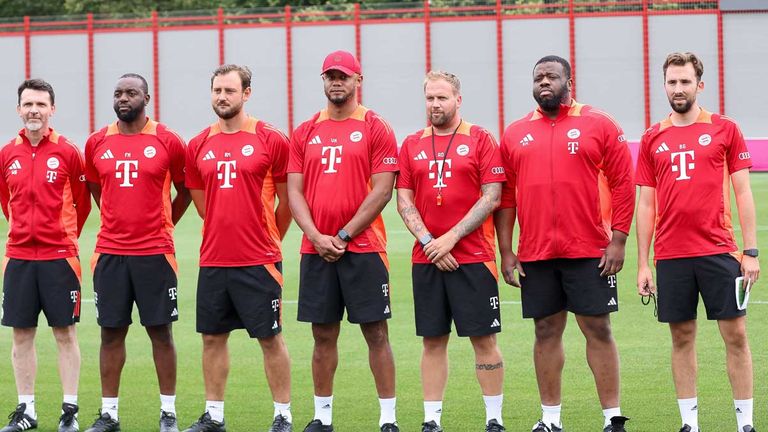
[(556, 59), (450, 78), (36, 84), (243, 71), (144, 85), (682, 59)]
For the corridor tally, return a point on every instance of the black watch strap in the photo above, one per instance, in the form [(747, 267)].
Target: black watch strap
[(751, 252)]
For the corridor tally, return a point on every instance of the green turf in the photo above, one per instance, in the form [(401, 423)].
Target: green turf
[(647, 390)]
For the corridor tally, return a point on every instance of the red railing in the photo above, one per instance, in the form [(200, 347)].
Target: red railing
[(358, 16)]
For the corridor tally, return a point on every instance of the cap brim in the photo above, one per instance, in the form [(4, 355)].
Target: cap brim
[(346, 70)]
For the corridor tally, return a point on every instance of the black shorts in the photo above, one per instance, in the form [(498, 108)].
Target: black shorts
[(575, 285), (52, 286), (469, 295), (357, 281), (230, 298), (148, 280), (681, 280)]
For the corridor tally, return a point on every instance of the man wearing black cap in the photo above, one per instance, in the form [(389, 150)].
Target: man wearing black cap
[(346, 151)]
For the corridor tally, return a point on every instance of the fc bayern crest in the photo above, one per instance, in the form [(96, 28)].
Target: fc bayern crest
[(247, 150), (150, 152), (52, 163), (705, 139)]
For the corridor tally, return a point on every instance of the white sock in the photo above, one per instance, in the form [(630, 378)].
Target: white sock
[(689, 412), (743, 412), (387, 410), (610, 412), (433, 410), (550, 415), (215, 409), (493, 408), (109, 406), (70, 399), (168, 403), (30, 401), (283, 409), (324, 409)]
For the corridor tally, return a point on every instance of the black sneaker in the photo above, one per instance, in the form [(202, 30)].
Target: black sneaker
[(431, 426), (281, 424), (318, 426), (494, 426), (168, 422), (617, 424), (685, 428), (68, 421), (104, 423), (206, 424), (542, 427), (19, 421), (390, 427), (749, 428)]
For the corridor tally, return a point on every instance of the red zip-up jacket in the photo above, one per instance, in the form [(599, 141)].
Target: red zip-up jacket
[(44, 197), (573, 180)]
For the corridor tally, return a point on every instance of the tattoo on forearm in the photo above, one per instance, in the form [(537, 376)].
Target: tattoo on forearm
[(480, 211), (488, 366), (412, 219)]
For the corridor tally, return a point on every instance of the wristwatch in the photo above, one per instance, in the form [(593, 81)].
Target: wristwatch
[(751, 252), (344, 235), (425, 239)]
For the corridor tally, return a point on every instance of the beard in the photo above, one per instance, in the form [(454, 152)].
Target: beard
[(227, 112), (684, 108), (551, 103), (33, 125), (442, 118), (338, 99), (130, 115)]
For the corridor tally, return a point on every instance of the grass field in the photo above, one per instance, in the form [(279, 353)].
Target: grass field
[(647, 391)]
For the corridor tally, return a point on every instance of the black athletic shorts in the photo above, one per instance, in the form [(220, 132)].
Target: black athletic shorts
[(575, 285), (357, 281), (468, 295), (681, 280), (52, 286), (249, 297), (148, 280)]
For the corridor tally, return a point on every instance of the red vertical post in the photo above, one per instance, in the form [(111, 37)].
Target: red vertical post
[(91, 102), (427, 36), (156, 63), (27, 48), (220, 25), (358, 49), (572, 44), (500, 65), (289, 65), (720, 60), (646, 68)]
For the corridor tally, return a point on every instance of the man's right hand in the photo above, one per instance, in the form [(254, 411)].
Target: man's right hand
[(645, 285), (510, 263), (447, 263), (328, 250)]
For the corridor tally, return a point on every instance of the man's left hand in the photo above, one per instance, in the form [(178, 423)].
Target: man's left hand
[(440, 247)]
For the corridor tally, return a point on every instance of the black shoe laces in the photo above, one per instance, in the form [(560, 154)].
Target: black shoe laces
[(67, 418), (167, 419), (16, 416)]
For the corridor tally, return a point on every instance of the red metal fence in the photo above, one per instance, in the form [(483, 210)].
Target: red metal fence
[(359, 15)]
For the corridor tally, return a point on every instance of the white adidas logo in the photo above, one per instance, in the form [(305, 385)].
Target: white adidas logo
[(274, 325), (386, 309), (16, 165), (495, 323), (612, 302), (108, 155), (175, 312), (527, 139), (24, 424), (315, 140), (662, 148), (209, 155), (421, 156)]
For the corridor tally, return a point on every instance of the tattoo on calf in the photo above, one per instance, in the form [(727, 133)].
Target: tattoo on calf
[(488, 367)]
